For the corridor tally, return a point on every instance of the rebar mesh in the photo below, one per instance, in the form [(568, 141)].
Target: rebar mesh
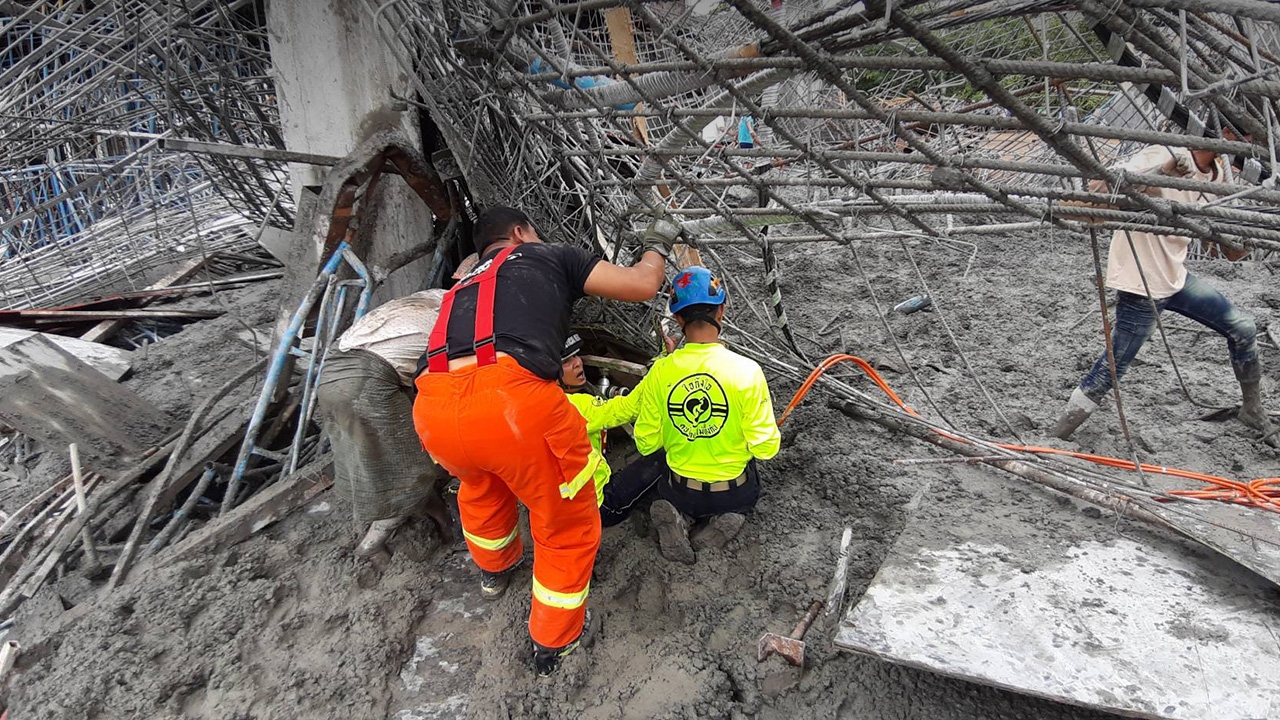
[(591, 114), (87, 90), (872, 117)]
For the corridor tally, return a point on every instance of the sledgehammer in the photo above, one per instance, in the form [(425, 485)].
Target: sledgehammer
[(791, 648)]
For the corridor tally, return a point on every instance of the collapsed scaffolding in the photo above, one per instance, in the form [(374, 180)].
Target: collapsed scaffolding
[(90, 198), (908, 123)]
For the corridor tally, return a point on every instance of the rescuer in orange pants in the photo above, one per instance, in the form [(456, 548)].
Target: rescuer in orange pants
[(489, 411)]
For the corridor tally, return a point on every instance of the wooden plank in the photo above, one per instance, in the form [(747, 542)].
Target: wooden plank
[(107, 328), (609, 363), (215, 442), (622, 39), (110, 361), (1014, 589), (58, 316), (51, 395), (259, 511), (246, 151)]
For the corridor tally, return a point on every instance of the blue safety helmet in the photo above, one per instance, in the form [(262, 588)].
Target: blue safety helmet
[(695, 285)]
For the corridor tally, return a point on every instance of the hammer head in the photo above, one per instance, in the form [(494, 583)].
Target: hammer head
[(788, 649)]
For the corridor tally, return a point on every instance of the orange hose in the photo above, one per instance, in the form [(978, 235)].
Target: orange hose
[(1260, 493)]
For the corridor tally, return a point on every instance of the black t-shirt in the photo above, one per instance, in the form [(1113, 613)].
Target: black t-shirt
[(537, 286)]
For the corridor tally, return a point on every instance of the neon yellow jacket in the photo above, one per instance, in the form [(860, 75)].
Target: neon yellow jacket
[(709, 408), (601, 415)]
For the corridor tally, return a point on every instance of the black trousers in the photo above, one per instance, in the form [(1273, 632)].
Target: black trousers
[(629, 485), (633, 482), (699, 504)]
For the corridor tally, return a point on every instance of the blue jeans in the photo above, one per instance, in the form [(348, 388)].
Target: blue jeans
[(1198, 300)]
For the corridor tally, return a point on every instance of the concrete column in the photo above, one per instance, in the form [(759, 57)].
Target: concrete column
[(334, 80)]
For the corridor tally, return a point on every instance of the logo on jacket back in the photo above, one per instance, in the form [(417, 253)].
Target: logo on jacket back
[(697, 406)]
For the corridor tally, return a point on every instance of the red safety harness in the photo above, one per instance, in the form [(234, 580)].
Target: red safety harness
[(482, 339)]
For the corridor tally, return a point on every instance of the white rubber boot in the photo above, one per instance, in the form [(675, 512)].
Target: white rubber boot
[(1079, 408), (374, 545)]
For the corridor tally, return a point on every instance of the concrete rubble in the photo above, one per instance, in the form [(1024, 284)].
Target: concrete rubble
[(166, 207)]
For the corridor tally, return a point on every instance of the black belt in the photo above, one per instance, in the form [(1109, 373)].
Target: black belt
[(704, 486)]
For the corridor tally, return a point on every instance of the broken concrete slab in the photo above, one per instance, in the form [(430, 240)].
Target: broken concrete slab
[(53, 396), (1138, 624), (110, 361)]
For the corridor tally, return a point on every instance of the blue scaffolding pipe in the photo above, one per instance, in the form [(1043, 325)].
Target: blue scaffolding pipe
[(323, 286)]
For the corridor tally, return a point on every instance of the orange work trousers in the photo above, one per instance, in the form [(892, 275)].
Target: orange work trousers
[(507, 434)]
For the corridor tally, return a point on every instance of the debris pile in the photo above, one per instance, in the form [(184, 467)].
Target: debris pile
[(859, 174)]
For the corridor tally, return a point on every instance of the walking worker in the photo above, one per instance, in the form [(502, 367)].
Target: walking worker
[(489, 410), (1145, 267), (707, 412), (365, 398), (615, 499)]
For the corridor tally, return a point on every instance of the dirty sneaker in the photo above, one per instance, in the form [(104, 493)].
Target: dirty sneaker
[(673, 532), (719, 531), (494, 584), (547, 660)]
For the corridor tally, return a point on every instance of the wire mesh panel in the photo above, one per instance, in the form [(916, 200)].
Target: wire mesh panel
[(870, 117), (87, 93)]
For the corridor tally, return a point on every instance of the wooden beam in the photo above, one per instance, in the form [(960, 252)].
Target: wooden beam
[(246, 151), (259, 511), (107, 328), (57, 316), (609, 363), (224, 434), (622, 39)]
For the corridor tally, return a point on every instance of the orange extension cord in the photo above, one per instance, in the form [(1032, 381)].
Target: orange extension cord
[(1261, 493)]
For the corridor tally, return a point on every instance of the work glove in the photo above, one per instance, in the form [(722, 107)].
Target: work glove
[(661, 235)]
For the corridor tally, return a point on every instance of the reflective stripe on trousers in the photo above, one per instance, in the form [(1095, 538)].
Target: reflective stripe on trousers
[(511, 437), (491, 544), (562, 600)]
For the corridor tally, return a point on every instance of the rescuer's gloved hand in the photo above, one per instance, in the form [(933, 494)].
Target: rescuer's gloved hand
[(1181, 164), (661, 235)]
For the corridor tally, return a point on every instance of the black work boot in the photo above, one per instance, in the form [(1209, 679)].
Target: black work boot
[(673, 532), (493, 585), (1252, 413), (547, 660)]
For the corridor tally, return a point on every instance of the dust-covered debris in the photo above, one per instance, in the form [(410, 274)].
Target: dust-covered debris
[(285, 625)]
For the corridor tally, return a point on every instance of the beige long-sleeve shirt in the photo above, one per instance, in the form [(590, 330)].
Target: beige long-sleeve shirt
[(1162, 257), (397, 331)]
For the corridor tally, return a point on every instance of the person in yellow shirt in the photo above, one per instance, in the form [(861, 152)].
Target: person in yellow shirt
[(616, 499), (707, 412)]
